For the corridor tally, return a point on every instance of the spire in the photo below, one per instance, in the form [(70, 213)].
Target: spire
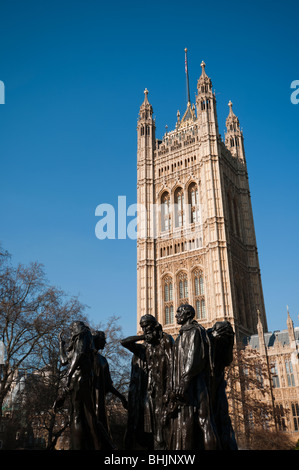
[(187, 77), (204, 84), (290, 325), (146, 109), (145, 103), (260, 331), (230, 104), (259, 321), (189, 116), (206, 105), (203, 71), (145, 95), (234, 135), (146, 123)]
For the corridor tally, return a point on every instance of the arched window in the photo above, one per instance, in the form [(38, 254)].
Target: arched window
[(199, 295), (193, 201), (165, 213), (183, 288), (168, 300), (179, 207)]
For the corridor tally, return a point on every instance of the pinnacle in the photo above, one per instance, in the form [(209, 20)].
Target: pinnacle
[(145, 95)]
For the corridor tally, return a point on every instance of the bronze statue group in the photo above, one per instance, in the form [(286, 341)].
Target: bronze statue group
[(177, 398)]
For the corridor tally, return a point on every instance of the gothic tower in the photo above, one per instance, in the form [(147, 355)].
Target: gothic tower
[(196, 239)]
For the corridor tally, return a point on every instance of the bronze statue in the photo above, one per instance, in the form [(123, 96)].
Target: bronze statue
[(102, 385), (222, 341), (192, 425), (177, 398), (150, 382), (79, 357)]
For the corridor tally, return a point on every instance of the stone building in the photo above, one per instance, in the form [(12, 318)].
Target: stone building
[(280, 351), (196, 239)]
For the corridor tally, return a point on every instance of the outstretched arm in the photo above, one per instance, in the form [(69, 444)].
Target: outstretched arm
[(130, 344), (119, 395)]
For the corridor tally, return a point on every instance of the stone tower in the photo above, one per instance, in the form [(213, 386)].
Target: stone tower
[(196, 240)]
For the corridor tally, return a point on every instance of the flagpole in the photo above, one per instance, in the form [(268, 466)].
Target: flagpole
[(187, 76)]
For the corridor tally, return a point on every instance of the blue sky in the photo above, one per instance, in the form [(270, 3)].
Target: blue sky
[(74, 75)]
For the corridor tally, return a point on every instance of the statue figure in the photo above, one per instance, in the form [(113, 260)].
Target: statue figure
[(150, 381), (79, 357), (222, 341), (102, 385), (192, 425)]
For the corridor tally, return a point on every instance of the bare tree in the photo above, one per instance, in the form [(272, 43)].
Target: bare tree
[(32, 313), (251, 401)]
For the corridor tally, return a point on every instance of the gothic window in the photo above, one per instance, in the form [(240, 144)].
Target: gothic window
[(199, 295), (295, 413), (281, 419), (259, 376), (290, 373), (232, 143), (275, 377), (165, 213), (183, 288), (168, 300), (142, 130), (179, 207), (193, 203)]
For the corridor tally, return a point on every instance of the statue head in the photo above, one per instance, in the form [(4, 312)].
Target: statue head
[(184, 313), (77, 327), (99, 340), (151, 328)]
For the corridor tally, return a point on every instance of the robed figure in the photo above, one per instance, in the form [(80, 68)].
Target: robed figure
[(103, 385), (150, 381), (192, 424), (79, 357), (221, 343)]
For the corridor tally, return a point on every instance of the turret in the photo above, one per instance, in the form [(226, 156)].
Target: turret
[(206, 105), (146, 125), (145, 201), (234, 140)]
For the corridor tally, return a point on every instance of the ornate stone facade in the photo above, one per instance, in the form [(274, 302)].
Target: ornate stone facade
[(196, 239), (280, 350)]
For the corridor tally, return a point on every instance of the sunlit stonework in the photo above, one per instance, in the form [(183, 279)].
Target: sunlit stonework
[(204, 222)]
